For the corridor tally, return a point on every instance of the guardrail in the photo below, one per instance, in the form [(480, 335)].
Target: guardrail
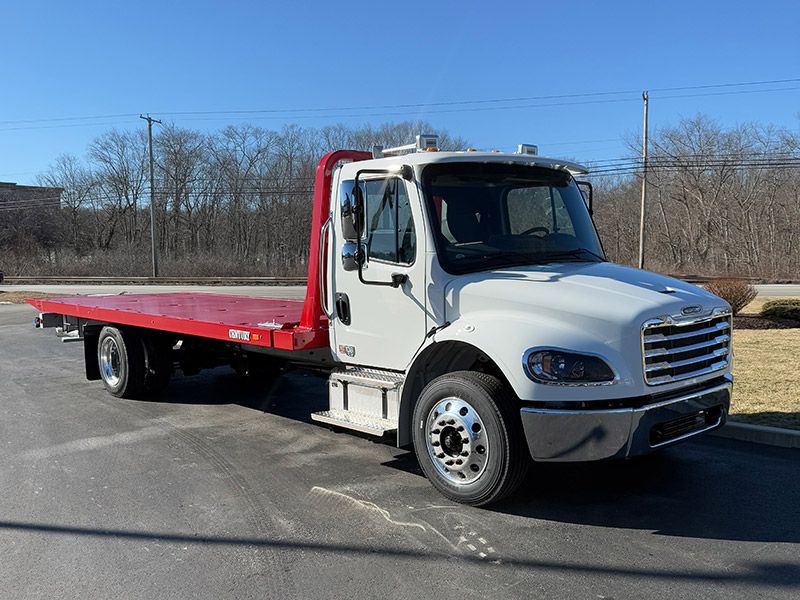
[(92, 280), (55, 279)]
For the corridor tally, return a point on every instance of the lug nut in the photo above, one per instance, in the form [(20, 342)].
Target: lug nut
[(435, 443), (459, 462), (441, 423), (460, 428), (436, 431), (440, 455), (465, 454), (448, 462), (451, 422)]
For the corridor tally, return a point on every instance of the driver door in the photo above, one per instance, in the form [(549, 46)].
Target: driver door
[(379, 325)]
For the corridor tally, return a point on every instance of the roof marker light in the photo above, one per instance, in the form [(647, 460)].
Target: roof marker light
[(529, 149)]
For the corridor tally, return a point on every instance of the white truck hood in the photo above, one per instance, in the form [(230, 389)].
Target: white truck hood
[(600, 291), (591, 307)]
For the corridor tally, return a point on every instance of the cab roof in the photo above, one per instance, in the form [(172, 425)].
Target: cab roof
[(424, 158)]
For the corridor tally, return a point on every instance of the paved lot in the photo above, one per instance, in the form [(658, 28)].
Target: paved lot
[(216, 492)]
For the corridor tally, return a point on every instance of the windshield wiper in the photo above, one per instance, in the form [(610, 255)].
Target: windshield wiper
[(574, 253)]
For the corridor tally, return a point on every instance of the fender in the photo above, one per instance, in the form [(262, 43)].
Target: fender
[(502, 338)]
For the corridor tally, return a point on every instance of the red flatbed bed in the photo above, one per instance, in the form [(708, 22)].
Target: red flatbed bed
[(265, 322)]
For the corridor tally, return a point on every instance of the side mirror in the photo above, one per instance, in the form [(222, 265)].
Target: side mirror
[(586, 191), (346, 209), (352, 256)]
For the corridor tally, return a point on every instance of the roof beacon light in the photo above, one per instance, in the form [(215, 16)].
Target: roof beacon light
[(424, 143), (529, 149)]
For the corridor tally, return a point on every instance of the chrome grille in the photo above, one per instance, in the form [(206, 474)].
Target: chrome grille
[(674, 350)]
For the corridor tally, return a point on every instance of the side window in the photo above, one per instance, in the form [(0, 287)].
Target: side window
[(540, 207), (389, 227)]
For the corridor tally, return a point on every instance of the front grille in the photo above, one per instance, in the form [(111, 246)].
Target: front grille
[(677, 350), (682, 426)]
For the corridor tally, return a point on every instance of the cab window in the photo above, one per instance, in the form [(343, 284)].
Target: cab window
[(389, 227)]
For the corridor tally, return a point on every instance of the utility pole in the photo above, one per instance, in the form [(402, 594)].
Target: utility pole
[(644, 185), (150, 120)]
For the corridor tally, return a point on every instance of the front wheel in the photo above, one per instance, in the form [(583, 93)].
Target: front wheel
[(468, 438)]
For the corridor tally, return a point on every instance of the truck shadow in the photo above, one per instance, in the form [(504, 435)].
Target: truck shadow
[(294, 395), (710, 488)]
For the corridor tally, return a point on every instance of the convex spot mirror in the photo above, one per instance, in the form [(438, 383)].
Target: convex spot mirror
[(352, 256)]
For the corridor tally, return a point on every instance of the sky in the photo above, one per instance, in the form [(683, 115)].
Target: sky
[(72, 70)]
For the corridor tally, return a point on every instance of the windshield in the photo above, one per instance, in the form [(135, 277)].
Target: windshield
[(491, 215)]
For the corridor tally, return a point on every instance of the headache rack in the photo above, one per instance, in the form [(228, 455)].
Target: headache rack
[(674, 350)]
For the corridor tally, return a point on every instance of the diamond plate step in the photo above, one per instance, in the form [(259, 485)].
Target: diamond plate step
[(355, 421), (374, 378)]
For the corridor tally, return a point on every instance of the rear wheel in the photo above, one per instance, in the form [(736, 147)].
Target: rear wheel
[(468, 438), (121, 358)]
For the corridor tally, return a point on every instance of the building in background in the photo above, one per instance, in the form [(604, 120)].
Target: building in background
[(28, 197)]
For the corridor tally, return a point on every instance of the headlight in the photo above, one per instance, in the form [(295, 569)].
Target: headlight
[(565, 368)]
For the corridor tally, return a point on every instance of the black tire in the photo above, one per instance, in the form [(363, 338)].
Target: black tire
[(121, 359), (489, 403)]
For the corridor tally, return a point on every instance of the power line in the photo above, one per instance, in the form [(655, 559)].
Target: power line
[(474, 104)]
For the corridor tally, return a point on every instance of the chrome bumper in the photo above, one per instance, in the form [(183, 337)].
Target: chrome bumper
[(585, 435)]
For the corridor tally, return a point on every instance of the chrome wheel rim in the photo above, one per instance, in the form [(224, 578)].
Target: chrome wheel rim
[(456, 441), (109, 361)]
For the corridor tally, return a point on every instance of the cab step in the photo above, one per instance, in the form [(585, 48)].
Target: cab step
[(371, 378), (355, 421)]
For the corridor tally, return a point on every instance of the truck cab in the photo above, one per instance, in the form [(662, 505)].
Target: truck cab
[(473, 311)]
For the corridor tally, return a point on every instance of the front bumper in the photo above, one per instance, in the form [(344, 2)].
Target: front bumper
[(585, 435)]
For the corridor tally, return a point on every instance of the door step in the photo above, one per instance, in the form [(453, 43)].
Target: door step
[(372, 378), (356, 421)]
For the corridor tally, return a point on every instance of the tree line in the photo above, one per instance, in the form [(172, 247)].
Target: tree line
[(238, 201)]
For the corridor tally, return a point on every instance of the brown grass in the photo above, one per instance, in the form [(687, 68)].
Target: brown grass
[(766, 388), (754, 307), (20, 297)]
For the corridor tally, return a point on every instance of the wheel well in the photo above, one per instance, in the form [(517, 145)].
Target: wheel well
[(436, 360)]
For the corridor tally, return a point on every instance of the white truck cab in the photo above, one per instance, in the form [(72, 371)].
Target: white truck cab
[(473, 311)]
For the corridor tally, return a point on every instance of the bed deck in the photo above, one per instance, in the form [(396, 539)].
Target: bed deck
[(265, 322)]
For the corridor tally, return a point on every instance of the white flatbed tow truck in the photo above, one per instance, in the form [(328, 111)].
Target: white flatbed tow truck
[(460, 302)]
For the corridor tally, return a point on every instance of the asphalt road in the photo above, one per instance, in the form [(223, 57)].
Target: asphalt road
[(218, 492)]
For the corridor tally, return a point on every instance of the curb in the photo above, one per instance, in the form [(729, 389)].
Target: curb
[(759, 434)]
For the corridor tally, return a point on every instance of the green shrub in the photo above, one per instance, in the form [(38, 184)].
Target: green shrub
[(736, 292), (785, 308)]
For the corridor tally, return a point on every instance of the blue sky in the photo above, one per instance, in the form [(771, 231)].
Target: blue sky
[(75, 59)]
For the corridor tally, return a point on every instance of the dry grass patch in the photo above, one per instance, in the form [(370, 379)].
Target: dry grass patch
[(20, 297), (755, 306), (766, 368)]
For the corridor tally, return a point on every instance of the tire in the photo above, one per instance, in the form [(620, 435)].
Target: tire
[(121, 359), (468, 438)]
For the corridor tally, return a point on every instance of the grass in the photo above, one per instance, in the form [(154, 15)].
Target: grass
[(754, 307), (20, 297), (766, 388)]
